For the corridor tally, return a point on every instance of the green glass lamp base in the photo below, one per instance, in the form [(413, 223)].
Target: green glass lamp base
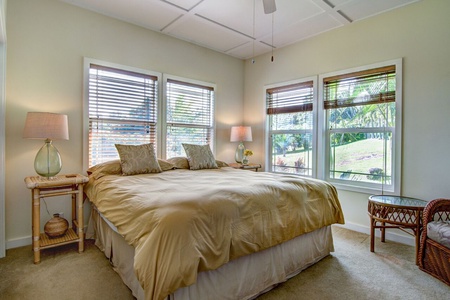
[(48, 161)]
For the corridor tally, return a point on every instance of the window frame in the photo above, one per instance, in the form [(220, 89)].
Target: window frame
[(324, 141), (161, 126), (163, 106), (269, 140), (87, 62)]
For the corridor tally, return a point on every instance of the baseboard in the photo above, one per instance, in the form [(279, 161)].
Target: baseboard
[(20, 242), (391, 235)]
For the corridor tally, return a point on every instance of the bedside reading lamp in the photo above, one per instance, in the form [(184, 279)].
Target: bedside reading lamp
[(48, 127), (240, 134)]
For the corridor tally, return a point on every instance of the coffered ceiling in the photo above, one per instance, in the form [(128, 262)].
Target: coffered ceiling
[(239, 27)]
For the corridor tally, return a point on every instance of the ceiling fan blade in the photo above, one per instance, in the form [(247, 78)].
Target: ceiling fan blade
[(269, 6)]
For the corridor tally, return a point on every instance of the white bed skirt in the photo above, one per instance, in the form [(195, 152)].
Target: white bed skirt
[(242, 278)]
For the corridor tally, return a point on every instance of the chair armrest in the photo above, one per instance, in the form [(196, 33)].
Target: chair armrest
[(436, 210)]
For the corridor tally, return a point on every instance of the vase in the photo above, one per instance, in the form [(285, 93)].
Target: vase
[(245, 160), (56, 226)]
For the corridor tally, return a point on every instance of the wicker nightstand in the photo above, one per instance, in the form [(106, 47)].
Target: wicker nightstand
[(254, 167), (57, 186)]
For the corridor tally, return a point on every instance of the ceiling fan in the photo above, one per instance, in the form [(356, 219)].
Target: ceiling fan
[(269, 6)]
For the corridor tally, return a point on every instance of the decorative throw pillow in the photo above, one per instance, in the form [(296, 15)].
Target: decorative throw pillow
[(200, 157), (221, 164), (140, 159), (165, 165), (179, 162)]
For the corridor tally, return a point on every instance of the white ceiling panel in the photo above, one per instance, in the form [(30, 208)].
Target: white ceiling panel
[(185, 4), (204, 33), (361, 9), (152, 14), (228, 26), (249, 50)]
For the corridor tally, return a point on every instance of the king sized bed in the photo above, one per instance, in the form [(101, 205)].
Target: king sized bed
[(216, 233)]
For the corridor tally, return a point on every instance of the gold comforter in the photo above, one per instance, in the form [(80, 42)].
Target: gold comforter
[(181, 222)]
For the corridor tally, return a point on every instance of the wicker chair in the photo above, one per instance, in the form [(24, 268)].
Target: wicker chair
[(434, 258)]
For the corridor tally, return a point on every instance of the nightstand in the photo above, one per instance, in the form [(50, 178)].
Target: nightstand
[(254, 167), (60, 185)]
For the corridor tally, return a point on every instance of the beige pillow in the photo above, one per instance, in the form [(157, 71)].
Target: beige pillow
[(139, 159), (179, 162), (165, 165), (200, 157), (111, 167), (221, 164)]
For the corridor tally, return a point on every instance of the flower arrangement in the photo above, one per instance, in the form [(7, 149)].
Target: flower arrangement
[(247, 153)]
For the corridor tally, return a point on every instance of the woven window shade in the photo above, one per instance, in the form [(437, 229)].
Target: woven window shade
[(374, 86), (122, 109), (190, 114), (290, 98)]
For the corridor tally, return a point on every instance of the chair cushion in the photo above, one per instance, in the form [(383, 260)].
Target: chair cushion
[(439, 231)]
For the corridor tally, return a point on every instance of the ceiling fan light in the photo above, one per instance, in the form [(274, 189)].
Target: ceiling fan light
[(269, 6)]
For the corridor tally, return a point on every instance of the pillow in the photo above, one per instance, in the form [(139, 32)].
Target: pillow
[(179, 162), (111, 167), (165, 165), (221, 164), (200, 157), (139, 159)]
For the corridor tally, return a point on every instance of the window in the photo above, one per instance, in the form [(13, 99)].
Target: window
[(290, 127), (350, 136), (362, 127), (189, 115), (122, 108)]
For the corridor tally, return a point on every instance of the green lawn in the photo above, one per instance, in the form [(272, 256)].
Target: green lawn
[(358, 157)]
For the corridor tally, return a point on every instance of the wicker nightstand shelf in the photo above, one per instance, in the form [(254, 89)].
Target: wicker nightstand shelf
[(57, 186), (254, 167)]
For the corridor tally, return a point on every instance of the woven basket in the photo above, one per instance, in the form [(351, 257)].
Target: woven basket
[(56, 226)]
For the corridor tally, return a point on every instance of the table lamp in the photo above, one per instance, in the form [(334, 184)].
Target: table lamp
[(47, 126), (240, 134)]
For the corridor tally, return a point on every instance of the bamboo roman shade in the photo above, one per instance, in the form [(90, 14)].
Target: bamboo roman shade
[(372, 86), (290, 98), (122, 109)]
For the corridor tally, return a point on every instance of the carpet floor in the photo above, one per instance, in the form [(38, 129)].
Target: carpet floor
[(351, 272)]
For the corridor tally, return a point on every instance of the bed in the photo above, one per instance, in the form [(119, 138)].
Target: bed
[(214, 233)]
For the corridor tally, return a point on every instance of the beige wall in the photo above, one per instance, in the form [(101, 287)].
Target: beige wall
[(418, 33), (47, 41)]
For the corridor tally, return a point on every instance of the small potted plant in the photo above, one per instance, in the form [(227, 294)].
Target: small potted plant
[(247, 153)]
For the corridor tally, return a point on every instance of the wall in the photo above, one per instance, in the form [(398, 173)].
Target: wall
[(2, 124), (418, 33), (47, 41)]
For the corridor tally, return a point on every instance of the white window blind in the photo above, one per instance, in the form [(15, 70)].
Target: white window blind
[(122, 109), (189, 117)]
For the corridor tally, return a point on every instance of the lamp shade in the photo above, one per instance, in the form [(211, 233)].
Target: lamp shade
[(241, 134), (45, 125)]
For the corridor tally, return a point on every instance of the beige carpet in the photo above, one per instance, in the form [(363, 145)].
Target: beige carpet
[(352, 272)]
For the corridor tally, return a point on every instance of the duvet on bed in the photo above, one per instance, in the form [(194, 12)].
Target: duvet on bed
[(182, 222)]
